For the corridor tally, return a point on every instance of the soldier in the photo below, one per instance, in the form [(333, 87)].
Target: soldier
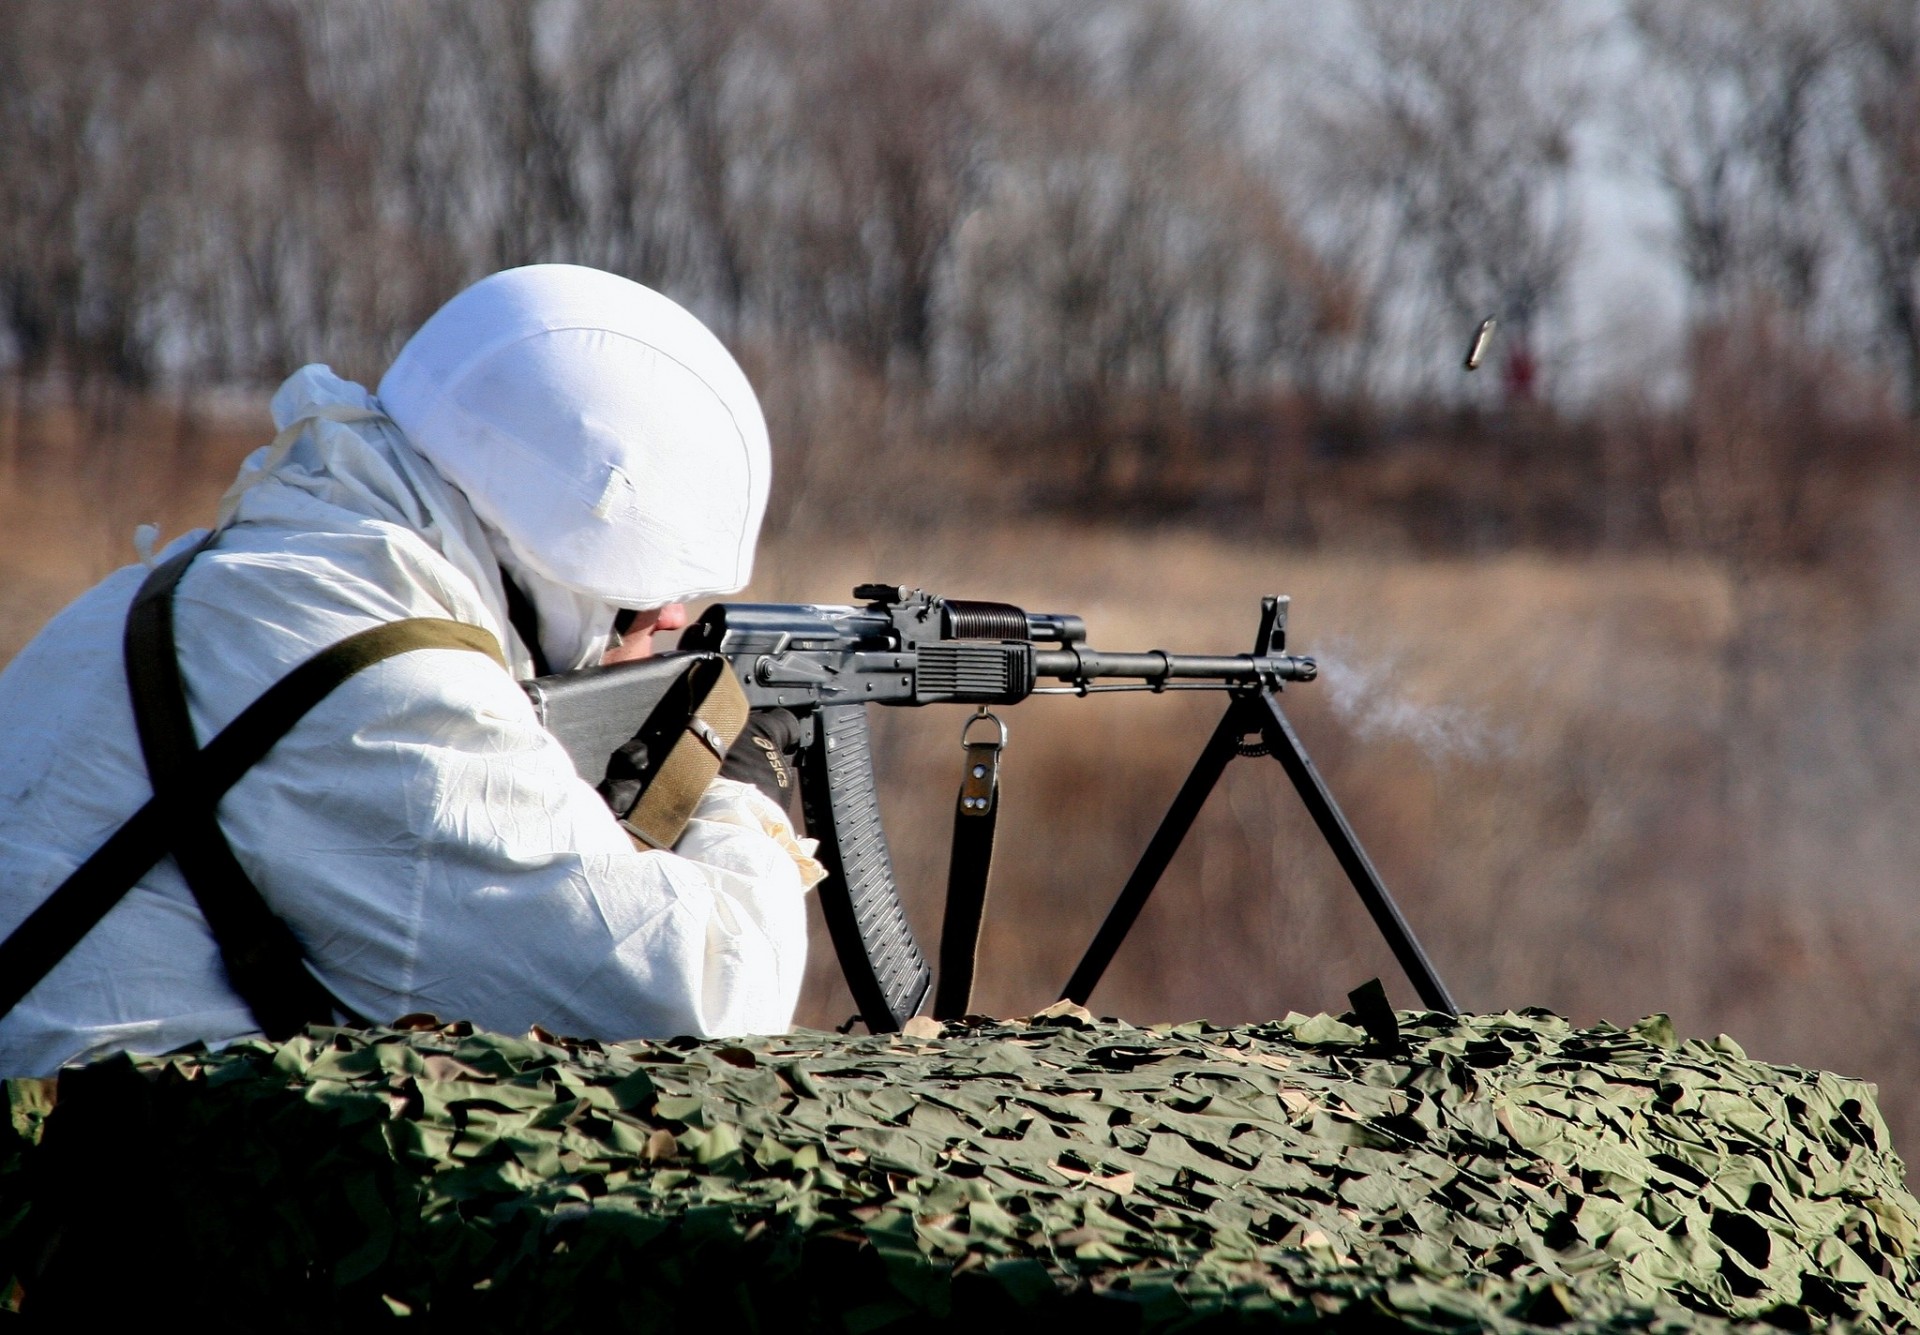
[(557, 451)]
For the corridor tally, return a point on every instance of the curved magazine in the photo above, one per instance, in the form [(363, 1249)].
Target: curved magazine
[(885, 969)]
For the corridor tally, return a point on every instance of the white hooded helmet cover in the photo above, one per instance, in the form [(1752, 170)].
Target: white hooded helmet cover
[(598, 427)]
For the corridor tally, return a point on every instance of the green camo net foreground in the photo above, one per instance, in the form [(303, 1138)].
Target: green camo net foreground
[(1506, 1172)]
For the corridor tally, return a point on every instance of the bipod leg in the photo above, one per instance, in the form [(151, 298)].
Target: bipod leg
[(1221, 748), (1285, 745)]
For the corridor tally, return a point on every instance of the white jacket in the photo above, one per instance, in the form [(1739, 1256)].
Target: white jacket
[(426, 840)]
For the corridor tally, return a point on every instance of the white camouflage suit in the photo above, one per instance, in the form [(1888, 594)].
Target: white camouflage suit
[(428, 843)]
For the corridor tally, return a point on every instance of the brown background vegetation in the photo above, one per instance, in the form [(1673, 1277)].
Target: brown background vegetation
[(1142, 311)]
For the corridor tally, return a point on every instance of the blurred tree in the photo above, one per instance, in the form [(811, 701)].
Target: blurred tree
[(1447, 150), (897, 113), (1069, 221), (1732, 111), (1877, 165), (1132, 267), (85, 157), (1741, 110), (721, 87)]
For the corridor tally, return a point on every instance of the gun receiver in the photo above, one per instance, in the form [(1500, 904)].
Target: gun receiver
[(906, 647)]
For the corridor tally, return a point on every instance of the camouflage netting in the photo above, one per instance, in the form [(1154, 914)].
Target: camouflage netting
[(1504, 1172)]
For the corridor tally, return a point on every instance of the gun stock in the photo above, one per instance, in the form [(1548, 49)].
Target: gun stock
[(595, 710)]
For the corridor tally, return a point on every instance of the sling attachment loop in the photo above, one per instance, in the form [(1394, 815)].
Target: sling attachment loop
[(182, 818), (976, 814), (661, 815)]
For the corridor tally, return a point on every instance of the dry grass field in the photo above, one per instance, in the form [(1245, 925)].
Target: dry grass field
[(1546, 759)]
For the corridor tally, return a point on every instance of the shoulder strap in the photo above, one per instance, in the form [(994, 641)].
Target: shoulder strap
[(165, 822), (262, 959)]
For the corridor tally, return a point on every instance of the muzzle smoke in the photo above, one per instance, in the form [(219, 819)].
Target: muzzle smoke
[(1362, 692)]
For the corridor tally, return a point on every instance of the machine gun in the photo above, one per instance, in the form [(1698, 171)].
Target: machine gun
[(826, 664)]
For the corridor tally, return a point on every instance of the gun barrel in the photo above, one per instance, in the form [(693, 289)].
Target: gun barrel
[(1156, 665)]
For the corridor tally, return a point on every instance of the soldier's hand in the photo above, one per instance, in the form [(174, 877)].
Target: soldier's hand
[(765, 754)]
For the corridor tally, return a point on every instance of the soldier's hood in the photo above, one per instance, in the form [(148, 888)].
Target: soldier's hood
[(605, 438)]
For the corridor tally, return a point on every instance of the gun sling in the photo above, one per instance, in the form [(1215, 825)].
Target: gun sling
[(263, 960), (975, 814), (666, 804)]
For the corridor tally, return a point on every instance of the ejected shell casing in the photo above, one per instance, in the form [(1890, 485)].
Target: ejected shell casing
[(1478, 348)]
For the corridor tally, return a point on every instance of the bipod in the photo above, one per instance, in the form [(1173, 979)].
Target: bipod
[(1256, 710)]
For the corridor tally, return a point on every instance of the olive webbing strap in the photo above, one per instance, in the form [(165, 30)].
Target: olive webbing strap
[(666, 804), (60, 922)]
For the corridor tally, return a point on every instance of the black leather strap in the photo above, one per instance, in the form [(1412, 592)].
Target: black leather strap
[(263, 960), (976, 813), (83, 899), (525, 622)]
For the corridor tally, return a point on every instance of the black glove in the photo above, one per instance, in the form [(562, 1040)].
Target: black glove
[(765, 753)]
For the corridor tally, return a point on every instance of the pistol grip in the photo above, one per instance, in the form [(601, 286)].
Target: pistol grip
[(884, 966)]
